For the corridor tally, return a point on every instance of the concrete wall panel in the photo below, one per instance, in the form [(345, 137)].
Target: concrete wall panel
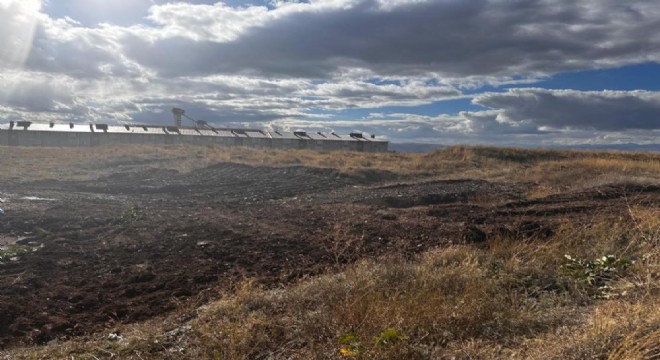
[(79, 138)]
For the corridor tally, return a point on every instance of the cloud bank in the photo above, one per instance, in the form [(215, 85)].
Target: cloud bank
[(570, 109), (309, 64)]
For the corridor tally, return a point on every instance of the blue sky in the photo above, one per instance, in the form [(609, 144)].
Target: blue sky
[(551, 72)]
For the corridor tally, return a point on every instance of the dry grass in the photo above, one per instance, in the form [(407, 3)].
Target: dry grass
[(509, 299), (551, 170)]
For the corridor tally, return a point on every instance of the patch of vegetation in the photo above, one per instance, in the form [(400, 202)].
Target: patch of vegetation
[(389, 337), (12, 252), (350, 344), (132, 214), (595, 272)]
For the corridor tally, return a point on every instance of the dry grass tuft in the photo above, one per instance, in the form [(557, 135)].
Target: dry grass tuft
[(638, 346)]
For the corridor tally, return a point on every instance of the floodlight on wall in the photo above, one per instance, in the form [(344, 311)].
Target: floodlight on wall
[(356, 135)]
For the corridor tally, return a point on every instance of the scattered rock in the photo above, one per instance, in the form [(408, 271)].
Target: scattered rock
[(178, 331), (503, 231), (116, 337), (65, 262), (525, 230), (385, 215), (473, 234), (141, 278), (533, 229), (202, 279)]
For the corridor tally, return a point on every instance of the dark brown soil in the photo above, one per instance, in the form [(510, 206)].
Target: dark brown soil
[(137, 244)]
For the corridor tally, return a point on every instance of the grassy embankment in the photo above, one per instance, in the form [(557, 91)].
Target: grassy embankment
[(552, 169), (509, 299)]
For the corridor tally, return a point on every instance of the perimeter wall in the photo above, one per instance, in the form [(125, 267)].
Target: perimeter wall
[(18, 137)]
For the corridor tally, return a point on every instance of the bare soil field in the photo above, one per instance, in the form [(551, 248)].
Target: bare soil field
[(84, 255)]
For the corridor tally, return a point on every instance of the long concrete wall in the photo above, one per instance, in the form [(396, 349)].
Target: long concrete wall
[(25, 137)]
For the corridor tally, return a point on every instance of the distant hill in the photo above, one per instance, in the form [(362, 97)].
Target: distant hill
[(419, 148), (414, 148), (621, 147)]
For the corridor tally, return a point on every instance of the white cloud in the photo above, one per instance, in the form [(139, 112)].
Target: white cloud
[(16, 31), (355, 94), (452, 39), (293, 64), (36, 92), (218, 22), (467, 43)]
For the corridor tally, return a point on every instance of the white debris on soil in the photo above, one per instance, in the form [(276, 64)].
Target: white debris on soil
[(180, 330), (116, 337), (385, 215), (36, 198)]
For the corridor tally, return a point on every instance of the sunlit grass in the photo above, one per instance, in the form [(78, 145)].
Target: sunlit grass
[(549, 168)]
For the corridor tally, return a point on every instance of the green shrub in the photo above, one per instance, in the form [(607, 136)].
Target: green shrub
[(132, 214), (389, 337), (10, 253), (350, 344), (596, 273)]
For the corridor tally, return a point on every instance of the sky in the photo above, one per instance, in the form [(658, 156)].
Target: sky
[(500, 72)]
